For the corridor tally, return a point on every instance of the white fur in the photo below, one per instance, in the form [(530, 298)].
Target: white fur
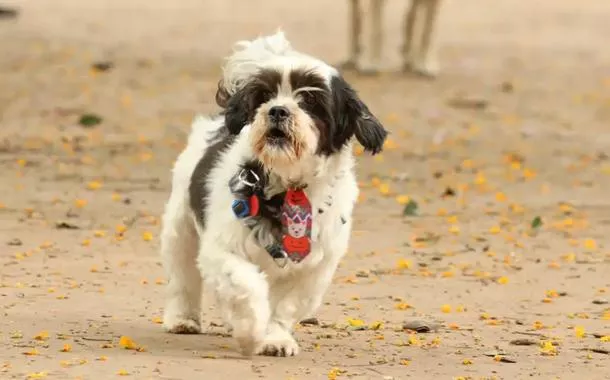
[(259, 300), (266, 52)]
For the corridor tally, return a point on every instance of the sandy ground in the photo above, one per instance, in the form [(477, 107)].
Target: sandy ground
[(80, 207)]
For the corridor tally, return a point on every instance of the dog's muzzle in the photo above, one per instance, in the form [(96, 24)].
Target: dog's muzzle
[(278, 132)]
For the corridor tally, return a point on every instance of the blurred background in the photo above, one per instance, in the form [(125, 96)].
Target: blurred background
[(489, 202)]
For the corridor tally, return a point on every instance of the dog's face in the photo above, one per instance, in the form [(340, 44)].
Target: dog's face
[(299, 113)]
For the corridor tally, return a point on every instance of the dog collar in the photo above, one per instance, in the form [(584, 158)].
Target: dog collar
[(295, 216)]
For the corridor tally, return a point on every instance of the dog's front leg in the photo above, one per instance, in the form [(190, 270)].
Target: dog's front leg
[(241, 291), (291, 300)]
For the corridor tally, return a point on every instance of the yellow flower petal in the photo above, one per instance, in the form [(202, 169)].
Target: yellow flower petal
[(377, 325), (80, 203), (147, 236), (66, 348), (414, 340), (99, 233), (37, 375), (547, 348), (127, 343), (157, 320), (402, 199), (355, 322), (590, 244), (384, 189), (94, 185), (403, 264), (43, 335)]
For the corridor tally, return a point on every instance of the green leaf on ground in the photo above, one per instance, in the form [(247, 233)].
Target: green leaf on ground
[(537, 223), (410, 208), (89, 120)]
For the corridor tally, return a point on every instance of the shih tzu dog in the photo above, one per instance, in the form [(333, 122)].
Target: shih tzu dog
[(418, 50), (262, 195)]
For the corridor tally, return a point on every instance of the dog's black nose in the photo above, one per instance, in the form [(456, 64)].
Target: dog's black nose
[(278, 113)]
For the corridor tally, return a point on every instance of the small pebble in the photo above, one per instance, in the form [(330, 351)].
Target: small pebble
[(310, 322), (420, 326)]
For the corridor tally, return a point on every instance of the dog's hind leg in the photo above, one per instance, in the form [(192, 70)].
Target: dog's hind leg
[(178, 254), (354, 35)]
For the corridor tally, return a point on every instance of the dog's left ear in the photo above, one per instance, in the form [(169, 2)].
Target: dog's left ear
[(353, 117), (237, 109), (222, 95)]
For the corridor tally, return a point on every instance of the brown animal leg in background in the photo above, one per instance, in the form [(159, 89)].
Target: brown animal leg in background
[(428, 66), (409, 29), (376, 33), (354, 35)]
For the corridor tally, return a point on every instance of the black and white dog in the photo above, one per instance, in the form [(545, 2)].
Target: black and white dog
[(262, 196)]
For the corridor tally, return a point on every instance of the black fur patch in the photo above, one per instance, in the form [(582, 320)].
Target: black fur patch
[(198, 189), (306, 78)]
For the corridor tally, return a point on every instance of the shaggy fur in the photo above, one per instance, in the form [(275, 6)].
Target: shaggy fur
[(290, 118), (418, 54)]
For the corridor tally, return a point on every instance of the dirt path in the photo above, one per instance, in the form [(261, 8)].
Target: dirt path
[(80, 207)]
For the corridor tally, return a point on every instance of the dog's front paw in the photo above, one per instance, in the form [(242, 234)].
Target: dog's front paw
[(177, 325), (278, 342), (249, 336)]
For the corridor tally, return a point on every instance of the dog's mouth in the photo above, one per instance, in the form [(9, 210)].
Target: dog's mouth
[(276, 136)]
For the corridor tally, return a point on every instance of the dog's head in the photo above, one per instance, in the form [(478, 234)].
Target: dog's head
[(298, 107)]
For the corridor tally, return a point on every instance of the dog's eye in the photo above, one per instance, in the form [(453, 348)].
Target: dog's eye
[(266, 96), (308, 98), (263, 97)]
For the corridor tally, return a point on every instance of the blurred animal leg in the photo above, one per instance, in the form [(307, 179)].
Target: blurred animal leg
[(409, 29), (426, 63), (376, 37), (354, 35)]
